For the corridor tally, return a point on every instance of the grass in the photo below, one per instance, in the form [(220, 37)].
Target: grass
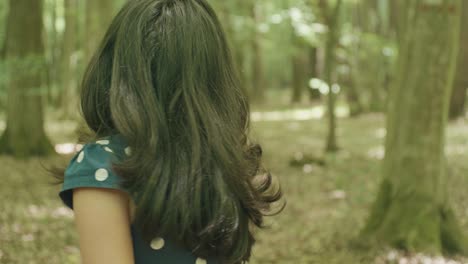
[(326, 205)]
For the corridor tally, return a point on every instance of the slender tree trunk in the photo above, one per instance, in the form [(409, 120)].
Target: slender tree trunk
[(258, 74), (299, 61), (458, 98), (333, 36), (299, 71), (412, 211), (49, 52), (314, 94), (236, 46), (68, 63), (352, 96), (24, 135), (99, 15), (2, 60)]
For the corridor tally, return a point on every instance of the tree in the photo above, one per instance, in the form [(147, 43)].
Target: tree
[(24, 135), (99, 15), (258, 72), (299, 58), (300, 71), (412, 210), (332, 19), (457, 101), (68, 62), (314, 94)]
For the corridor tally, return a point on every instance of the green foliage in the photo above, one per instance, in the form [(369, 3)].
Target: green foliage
[(369, 58), (286, 28)]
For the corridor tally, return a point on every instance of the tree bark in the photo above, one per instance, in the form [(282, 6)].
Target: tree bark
[(24, 135), (332, 40), (412, 211), (458, 98)]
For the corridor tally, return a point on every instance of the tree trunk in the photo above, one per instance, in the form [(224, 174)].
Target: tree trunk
[(99, 15), (52, 42), (299, 60), (300, 70), (24, 135), (314, 94), (332, 40), (258, 78), (2, 60), (68, 60), (236, 46), (411, 211), (352, 96), (457, 102)]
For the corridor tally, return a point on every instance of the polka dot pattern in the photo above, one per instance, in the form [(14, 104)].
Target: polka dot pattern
[(101, 175), (200, 261), (92, 168), (157, 243), (80, 157), (103, 142), (108, 149), (128, 151)]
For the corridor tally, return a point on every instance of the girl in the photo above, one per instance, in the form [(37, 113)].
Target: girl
[(168, 174)]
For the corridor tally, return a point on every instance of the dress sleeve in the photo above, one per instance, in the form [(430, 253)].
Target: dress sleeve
[(90, 167)]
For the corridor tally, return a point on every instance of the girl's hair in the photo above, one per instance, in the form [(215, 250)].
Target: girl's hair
[(163, 77)]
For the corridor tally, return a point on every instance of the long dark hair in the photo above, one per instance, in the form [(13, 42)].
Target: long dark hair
[(164, 78)]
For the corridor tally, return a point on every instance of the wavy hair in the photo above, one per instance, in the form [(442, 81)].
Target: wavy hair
[(163, 77)]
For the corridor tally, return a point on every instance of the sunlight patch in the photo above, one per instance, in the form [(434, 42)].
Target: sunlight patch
[(317, 112), (394, 256), (68, 148), (376, 153)]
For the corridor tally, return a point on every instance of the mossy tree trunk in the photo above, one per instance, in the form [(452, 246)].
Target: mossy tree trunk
[(24, 135), (458, 99), (412, 211)]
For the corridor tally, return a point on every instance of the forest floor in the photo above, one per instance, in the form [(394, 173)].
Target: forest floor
[(326, 205)]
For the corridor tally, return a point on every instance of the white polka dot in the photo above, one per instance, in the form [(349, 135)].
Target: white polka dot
[(157, 243), (80, 157), (103, 142), (128, 151), (108, 149), (200, 261), (101, 174)]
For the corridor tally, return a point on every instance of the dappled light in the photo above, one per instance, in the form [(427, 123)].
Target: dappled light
[(327, 132), (401, 258), (316, 112)]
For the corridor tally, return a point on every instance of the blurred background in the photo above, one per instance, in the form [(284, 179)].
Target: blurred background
[(358, 104)]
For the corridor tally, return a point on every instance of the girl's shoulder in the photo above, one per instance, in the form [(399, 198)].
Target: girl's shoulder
[(91, 166)]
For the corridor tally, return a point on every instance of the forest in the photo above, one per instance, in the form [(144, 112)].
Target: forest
[(360, 107)]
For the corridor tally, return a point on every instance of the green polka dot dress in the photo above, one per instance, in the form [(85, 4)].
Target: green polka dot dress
[(91, 167)]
